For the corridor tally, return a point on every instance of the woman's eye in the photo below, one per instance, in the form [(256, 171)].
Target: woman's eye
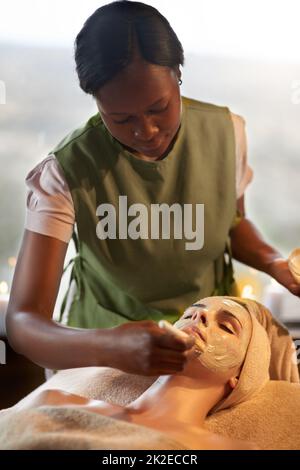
[(225, 328), (159, 110), (153, 111), (121, 122)]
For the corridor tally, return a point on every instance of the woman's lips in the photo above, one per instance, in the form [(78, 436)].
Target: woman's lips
[(153, 146)]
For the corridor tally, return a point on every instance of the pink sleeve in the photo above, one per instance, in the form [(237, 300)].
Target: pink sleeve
[(244, 173), (50, 209)]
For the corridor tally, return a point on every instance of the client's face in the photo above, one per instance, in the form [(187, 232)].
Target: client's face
[(222, 329)]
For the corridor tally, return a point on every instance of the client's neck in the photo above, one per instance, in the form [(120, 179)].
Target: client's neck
[(177, 398)]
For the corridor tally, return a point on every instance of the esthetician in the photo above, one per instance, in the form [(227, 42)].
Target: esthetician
[(136, 179)]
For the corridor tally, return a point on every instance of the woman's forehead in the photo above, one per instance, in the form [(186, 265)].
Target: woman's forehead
[(219, 300), (142, 86), (216, 303)]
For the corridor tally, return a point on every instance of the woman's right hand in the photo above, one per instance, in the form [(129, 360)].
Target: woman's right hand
[(144, 348)]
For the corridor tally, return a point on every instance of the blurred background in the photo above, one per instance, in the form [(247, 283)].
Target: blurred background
[(244, 55)]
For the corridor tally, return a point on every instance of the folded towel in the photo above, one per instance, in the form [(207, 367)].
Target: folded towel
[(66, 428), (282, 363), (271, 419), (254, 373), (97, 383)]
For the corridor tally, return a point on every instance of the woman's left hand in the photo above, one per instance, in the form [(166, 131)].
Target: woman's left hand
[(279, 270)]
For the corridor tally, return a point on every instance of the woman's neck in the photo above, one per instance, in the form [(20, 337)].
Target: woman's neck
[(176, 398)]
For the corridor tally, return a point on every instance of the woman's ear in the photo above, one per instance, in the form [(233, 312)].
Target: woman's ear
[(177, 71), (233, 381)]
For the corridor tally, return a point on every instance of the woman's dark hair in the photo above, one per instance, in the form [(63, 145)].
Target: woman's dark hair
[(105, 45)]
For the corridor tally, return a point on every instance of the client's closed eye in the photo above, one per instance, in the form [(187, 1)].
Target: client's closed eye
[(226, 328)]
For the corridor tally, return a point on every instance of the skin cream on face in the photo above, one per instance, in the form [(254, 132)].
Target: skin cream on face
[(222, 350), (221, 354)]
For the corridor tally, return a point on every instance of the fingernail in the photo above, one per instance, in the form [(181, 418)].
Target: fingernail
[(295, 287)]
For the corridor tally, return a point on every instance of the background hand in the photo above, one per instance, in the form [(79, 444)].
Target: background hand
[(279, 270)]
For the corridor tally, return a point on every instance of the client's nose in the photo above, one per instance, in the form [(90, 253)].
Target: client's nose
[(200, 316)]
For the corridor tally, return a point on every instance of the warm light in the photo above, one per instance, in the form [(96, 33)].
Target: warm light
[(248, 292), (3, 287), (12, 261), (250, 284)]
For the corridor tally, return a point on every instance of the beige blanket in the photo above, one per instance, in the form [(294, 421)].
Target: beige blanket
[(70, 428), (271, 419)]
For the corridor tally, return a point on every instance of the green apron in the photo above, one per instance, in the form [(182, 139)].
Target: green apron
[(121, 279)]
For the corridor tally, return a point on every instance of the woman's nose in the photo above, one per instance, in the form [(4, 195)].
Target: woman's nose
[(145, 131), (200, 316)]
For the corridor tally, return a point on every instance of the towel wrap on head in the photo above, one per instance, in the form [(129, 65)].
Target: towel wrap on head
[(254, 373)]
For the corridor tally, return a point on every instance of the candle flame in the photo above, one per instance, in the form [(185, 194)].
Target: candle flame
[(248, 292), (12, 261)]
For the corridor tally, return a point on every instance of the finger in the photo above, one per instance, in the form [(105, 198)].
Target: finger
[(294, 289), (161, 356), (193, 353), (168, 340)]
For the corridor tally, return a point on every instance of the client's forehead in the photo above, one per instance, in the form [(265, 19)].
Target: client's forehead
[(229, 305)]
